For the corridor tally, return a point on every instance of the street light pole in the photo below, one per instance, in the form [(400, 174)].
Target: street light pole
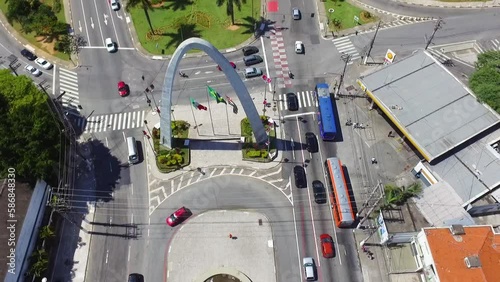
[(439, 25), (371, 44), (346, 58)]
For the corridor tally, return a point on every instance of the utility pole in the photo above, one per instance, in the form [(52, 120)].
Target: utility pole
[(439, 25), (371, 44), (346, 58), (371, 205)]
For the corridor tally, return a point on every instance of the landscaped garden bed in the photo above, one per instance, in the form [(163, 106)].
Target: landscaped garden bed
[(177, 157), (253, 151), (341, 15)]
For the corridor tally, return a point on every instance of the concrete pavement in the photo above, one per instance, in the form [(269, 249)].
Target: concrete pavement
[(442, 4), (238, 243)]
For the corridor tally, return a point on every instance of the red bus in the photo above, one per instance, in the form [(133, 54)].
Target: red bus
[(343, 212)]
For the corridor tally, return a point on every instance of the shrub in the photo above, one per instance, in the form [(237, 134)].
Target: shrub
[(264, 154), (162, 159), (246, 128), (56, 7), (366, 14), (156, 133), (253, 154)]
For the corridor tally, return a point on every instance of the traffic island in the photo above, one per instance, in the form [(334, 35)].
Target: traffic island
[(168, 160), (258, 152)]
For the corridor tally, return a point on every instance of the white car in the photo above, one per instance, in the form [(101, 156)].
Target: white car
[(115, 5), (43, 63), (299, 47), (32, 70), (110, 45)]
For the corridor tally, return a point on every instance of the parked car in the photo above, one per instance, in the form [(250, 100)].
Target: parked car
[(309, 269), (43, 63), (249, 50), (252, 72), (311, 142), (123, 89), (110, 45), (115, 5), (28, 55), (135, 277), (319, 192), (231, 63), (32, 70), (178, 216), (299, 47), (327, 246), (292, 102), (300, 176), (252, 60)]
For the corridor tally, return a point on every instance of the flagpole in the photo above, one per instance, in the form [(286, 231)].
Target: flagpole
[(195, 123), (227, 118), (210, 111)]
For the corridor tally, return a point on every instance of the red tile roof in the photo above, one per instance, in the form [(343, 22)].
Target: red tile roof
[(449, 252)]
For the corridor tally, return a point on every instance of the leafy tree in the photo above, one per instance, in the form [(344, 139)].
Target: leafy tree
[(40, 264), (485, 81), (146, 6), (18, 10), (230, 7), (41, 21), (32, 145), (70, 44)]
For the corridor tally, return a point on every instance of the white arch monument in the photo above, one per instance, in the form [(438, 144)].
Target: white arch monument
[(232, 76)]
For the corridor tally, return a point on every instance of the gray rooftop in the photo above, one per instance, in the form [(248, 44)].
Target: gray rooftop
[(425, 99), (474, 170)]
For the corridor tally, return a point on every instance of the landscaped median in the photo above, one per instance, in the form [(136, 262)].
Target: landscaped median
[(179, 156), (342, 15), (162, 25), (253, 151)]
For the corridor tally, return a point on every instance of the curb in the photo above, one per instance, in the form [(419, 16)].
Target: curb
[(466, 5)]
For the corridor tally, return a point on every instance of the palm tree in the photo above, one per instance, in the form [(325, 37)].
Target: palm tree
[(46, 232), (146, 6), (230, 7)]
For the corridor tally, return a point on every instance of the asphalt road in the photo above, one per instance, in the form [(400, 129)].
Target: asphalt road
[(224, 192)]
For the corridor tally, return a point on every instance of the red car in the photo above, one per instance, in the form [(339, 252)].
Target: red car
[(232, 64), (178, 216), (326, 245), (123, 89)]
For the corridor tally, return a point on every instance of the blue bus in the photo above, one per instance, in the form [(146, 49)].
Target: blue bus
[(326, 117)]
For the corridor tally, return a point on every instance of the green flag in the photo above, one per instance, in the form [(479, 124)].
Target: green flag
[(215, 95)]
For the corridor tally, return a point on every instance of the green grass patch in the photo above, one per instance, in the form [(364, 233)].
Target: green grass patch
[(178, 157), (174, 22), (343, 15), (252, 151), (30, 37)]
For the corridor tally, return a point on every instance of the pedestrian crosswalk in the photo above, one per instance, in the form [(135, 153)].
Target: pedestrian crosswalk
[(68, 84), (441, 57), (344, 45), (305, 99), (111, 122)]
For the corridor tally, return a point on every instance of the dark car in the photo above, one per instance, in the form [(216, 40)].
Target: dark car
[(135, 277), (249, 50), (292, 102), (300, 177), (252, 60), (178, 216), (28, 55), (311, 142), (319, 192)]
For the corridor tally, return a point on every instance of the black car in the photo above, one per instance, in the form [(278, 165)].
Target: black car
[(300, 177), (249, 50), (292, 102), (135, 277), (319, 192), (311, 142), (28, 55)]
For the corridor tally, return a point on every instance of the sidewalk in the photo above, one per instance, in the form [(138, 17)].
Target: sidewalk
[(441, 4), (209, 150)]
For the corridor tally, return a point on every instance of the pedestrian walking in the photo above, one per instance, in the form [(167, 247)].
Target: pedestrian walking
[(374, 160), (142, 78), (390, 134)]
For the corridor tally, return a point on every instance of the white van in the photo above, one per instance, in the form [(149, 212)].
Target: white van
[(296, 13), (133, 156), (309, 270)]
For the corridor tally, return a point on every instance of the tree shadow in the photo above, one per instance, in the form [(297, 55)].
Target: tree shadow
[(176, 5), (184, 32), (249, 25)]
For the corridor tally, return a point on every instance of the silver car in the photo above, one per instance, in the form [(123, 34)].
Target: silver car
[(32, 70), (115, 5), (252, 72)]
